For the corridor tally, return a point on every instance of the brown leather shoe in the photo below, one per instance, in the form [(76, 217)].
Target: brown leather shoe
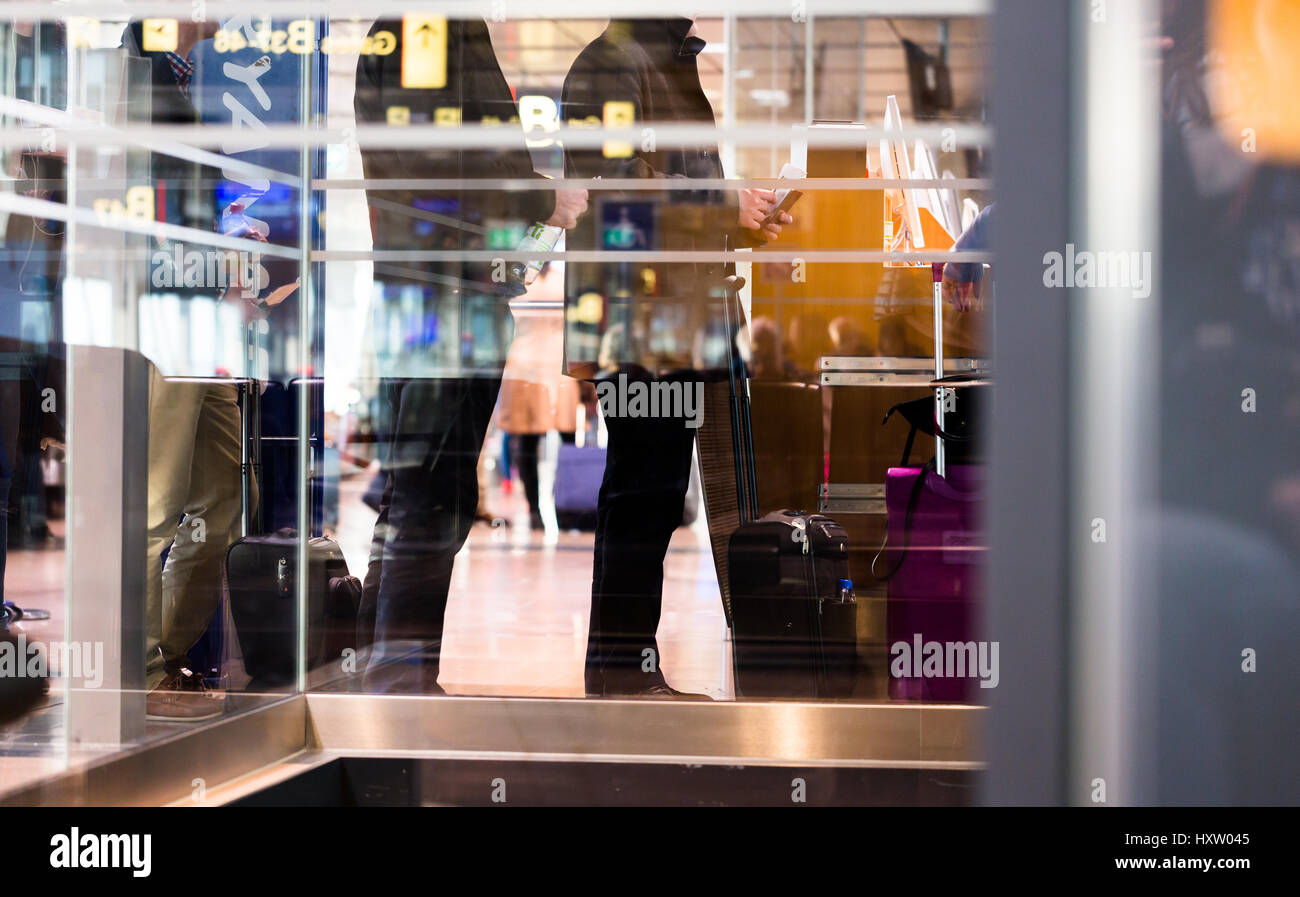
[(182, 697)]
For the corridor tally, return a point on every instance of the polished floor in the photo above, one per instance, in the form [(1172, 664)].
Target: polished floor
[(516, 619), (520, 600)]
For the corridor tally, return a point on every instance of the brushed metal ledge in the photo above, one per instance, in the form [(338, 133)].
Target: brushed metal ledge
[(777, 732), (165, 770), (295, 729)]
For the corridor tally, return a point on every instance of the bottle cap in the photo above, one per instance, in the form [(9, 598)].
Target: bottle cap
[(846, 583)]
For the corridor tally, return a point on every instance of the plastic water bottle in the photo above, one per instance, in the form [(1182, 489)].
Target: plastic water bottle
[(846, 595), (538, 238)]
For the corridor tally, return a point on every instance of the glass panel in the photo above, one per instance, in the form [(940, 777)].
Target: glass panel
[(507, 357), (477, 418), (153, 325), (33, 414)]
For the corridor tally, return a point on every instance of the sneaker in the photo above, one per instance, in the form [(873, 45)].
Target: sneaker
[(182, 697)]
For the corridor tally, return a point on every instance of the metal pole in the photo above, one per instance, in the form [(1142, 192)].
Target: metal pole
[(940, 462)]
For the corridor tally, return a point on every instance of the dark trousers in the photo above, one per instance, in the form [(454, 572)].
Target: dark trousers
[(647, 471), (525, 449), (436, 430)]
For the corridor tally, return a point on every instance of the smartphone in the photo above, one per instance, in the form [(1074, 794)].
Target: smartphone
[(785, 199)]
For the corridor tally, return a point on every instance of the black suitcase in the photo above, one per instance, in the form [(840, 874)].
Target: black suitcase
[(262, 574), (792, 636), (261, 582)]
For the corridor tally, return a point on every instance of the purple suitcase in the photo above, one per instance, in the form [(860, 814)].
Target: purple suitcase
[(578, 474), (934, 548)]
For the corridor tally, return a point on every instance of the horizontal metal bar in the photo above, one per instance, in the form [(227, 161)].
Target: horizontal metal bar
[(95, 132), (852, 490), (115, 10), (867, 256), (536, 304), (466, 136), (44, 208), (897, 303), (655, 184), (899, 363), (877, 378), (851, 506)]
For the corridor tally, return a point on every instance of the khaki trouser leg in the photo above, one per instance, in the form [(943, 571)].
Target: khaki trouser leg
[(192, 579), (194, 452), (173, 417)]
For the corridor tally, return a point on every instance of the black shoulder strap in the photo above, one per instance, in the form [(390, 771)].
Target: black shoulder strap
[(913, 499), (911, 435)]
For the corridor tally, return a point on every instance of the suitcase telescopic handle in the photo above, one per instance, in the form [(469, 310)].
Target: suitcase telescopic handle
[(250, 467), (741, 427)]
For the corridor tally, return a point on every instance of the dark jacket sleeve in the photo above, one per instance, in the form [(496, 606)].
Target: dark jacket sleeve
[(598, 78), (490, 96)]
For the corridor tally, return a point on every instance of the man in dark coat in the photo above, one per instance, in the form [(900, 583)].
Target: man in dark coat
[(646, 322), (440, 384)]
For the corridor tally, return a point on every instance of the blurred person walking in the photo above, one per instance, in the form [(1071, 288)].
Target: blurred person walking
[(535, 397)]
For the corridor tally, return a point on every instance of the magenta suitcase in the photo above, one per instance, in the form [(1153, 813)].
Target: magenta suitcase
[(934, 547)]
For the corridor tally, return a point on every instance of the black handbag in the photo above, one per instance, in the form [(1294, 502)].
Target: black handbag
[(960, 420)]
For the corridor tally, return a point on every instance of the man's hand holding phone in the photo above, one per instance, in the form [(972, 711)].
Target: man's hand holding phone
[(767, 211), (756, 213)]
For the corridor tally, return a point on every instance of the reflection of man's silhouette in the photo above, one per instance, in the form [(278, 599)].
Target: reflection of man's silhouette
[(640, 72), (438, 394)]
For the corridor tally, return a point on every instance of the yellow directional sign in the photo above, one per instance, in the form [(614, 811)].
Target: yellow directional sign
[(424, 51), (446, 115), (618, 114), (160, 35)]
